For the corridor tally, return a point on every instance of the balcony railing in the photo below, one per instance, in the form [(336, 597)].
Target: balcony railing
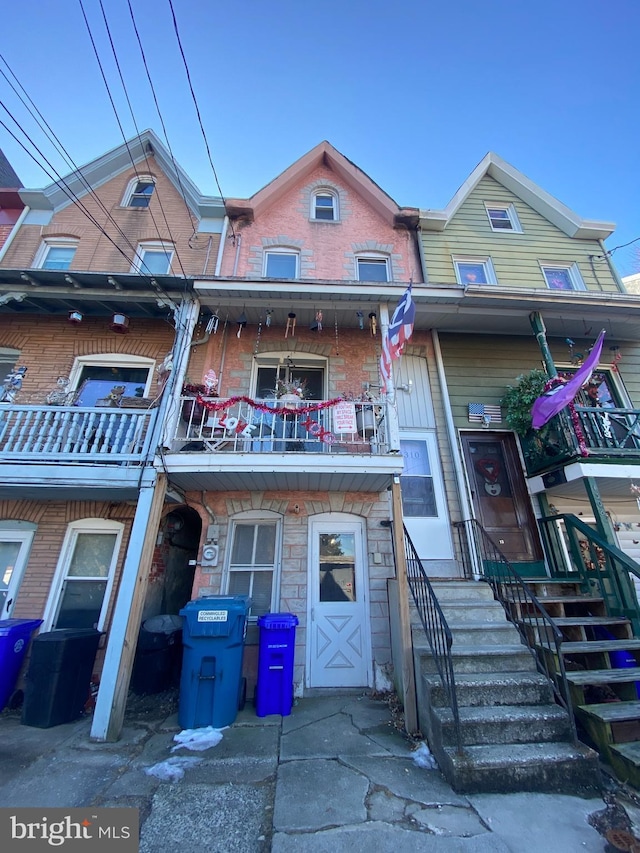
[(63, 434), (269, 426), (598, 434)]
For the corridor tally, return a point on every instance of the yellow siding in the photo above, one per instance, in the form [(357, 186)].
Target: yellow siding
[(515, 257)]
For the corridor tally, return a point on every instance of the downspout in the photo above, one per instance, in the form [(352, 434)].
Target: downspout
[(461, 482), (223, 240), (186, 319), (613, 270), (5, 247), (237, 258)]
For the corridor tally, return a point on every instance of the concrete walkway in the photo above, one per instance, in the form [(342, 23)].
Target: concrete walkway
[(334, 775)]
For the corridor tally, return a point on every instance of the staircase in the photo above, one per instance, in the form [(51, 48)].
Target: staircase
[(513, 735), (601, 661)]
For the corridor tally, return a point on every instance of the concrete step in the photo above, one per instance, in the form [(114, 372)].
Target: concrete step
[(548, 768), (467, 610), (481, 634), (486, 658), (492, 688), (513, 724), (459, 590)]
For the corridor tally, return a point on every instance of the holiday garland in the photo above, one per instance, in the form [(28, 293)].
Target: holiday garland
[(575, 418)]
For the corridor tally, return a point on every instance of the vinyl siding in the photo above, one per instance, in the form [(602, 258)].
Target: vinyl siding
[(515, 256)]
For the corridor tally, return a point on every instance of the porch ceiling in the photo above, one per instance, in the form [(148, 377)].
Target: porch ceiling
[(613, 482), (69, 482)]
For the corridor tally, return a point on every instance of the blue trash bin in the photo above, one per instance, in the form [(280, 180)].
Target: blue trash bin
[(276, 652), (14, 641), (211, 682)]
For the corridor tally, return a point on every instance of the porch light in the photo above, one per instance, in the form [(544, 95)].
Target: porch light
[(120, 323), (75, 317)]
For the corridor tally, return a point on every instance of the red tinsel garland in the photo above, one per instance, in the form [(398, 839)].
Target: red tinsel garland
[(210, 406), (575, 418)]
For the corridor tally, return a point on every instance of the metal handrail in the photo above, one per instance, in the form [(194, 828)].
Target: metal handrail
[(537, 629), (435, 627)]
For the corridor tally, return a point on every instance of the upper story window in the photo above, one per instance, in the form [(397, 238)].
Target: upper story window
[(139, 191), (94, 377), (153, 258), (280, 263), (503, 217), (372, 268), (55, 254), (324, 206), (562, 276), (474, 271)]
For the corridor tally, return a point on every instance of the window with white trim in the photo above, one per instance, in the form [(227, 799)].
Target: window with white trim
[(562, 276), (503, 217), (55, 254), (83, 581), (372, 268), (253, 562), (15, 544), (324, 206), (280, 263), (93, 377), (416, 481), (474, 270), (139, 191), (153, 258)]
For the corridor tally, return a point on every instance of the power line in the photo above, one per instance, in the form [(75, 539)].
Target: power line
[(195, 103)]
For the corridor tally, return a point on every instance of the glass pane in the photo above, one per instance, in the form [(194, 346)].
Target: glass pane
[(261, 593), (92, 555), (490, 470), (8, 555), (81, 604), (96, 383), (337, 567), (142, 194), (242, 551), (266, 545), (240, 583), (324, 207), (418, 497), (472, 273), (500, 218), (372, 270), (59, 258), (281, 265), (266, 383), (154, 261), (416, 458), (558, 278)]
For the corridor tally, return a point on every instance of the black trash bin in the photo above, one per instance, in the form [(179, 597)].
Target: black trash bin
[(59, 676), (156, 666)]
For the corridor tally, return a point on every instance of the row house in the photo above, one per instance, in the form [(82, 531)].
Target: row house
[(202, 414)]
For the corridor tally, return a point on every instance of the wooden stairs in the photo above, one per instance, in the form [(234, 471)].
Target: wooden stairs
[(514, 736), (602, 662)]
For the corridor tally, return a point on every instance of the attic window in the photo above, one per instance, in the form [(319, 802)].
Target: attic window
[(139, 192), (324, 206), (503, 217)]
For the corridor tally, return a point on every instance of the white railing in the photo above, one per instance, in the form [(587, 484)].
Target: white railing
[(74, 434), (269, 426)]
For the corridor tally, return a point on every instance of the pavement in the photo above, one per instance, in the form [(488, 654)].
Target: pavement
[(335, 775)]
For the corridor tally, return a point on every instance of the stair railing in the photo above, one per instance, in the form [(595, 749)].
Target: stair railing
[(574, 549), (435, 627), (536, 628)]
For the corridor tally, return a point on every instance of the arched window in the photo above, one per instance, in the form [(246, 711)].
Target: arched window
[(153, 257), (324, 206), (139, 191)]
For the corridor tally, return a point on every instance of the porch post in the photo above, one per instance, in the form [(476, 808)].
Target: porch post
[(408, 674)]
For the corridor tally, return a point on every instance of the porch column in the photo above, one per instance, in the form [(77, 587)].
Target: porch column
[(123, 635)]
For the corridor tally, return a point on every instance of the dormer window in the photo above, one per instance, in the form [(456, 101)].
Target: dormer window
[(324, 206), (139, 192), (503, 217)]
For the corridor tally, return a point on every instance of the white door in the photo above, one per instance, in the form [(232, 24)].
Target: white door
[(14, 552), (339, 653), (423, 499)]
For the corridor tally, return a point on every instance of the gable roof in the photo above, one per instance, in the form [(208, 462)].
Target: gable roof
[(533, 195), (116, 161), (323, 154)]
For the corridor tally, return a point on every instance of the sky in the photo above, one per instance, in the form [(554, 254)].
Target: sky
[(414, 93)]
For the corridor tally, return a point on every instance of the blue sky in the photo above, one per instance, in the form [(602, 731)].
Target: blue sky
[(415, 93)]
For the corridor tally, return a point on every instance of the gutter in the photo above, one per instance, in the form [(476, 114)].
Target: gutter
[(14, 231)]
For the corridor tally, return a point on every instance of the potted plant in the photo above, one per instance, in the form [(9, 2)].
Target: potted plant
[(291, 391)]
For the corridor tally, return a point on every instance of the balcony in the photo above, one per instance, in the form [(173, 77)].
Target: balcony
[(59, 451), (598, 435), (272, 444)]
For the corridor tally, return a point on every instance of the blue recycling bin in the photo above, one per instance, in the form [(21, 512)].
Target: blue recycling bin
[(211, 682), (276, 652), (14, 641)]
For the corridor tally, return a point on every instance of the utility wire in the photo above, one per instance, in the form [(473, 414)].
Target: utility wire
[(135, 124), (195, 103)]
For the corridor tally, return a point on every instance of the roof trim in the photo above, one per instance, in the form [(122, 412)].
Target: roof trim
[(533, 195)]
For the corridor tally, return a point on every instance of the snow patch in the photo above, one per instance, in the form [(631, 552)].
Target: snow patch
[(172, 770), (424, 758), (198, 739)]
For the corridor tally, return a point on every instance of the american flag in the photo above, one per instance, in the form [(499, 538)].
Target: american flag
[(399, 332)]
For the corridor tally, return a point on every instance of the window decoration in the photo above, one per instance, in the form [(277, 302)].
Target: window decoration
[(470, 271), (562, 276)]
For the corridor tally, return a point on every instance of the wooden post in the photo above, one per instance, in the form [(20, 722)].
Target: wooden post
[(123, 636), (408, 672)]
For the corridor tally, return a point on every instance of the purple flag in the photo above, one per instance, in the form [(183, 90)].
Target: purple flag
[(550, 403)]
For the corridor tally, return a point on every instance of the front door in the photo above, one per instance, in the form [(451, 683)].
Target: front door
[(501, 502), (14, 552), (339, 653)]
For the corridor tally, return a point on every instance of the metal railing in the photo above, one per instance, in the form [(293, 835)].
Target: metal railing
[(62, 434), (435, 627), (273, 426), (537, 629), (574, 550)]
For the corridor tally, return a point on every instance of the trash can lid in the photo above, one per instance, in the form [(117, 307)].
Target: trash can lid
[(22, 626), (277, 621), (163, 623)]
